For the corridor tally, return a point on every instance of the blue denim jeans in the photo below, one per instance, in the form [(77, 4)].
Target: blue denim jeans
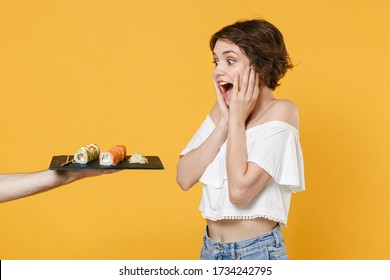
[(268, 246)]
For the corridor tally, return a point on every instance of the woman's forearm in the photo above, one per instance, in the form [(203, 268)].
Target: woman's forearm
[(245, 178), (236, 159), (192, 165)]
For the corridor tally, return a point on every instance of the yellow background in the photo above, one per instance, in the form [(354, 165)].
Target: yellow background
[(138, 73)]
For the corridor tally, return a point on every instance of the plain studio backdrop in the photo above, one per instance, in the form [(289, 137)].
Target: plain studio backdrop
[(138, 73)]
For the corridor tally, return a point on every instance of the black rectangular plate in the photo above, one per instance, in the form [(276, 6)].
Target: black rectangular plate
[(57, 161)]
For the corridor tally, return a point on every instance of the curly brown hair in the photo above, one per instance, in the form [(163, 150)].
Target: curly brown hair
[(263, 44)]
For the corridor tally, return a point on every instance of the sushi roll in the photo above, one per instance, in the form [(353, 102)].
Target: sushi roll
[(113, 156), (87, 154)]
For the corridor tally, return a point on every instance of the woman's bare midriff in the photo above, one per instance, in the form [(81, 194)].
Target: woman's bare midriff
[(237, 230)]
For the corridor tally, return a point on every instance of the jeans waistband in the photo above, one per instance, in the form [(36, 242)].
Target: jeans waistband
[(271, 238)]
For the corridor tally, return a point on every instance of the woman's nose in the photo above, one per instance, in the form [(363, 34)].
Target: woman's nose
[(218, 70)]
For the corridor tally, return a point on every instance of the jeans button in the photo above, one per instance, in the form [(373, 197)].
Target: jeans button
[(218, 248)]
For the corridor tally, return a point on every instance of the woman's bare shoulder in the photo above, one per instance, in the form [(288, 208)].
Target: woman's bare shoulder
[(284, 110)]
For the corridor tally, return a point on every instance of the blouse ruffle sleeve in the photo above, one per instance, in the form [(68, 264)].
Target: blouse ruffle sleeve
[(275, 147)]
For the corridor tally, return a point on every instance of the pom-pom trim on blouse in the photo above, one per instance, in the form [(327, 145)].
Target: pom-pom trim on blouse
[(245, 218)]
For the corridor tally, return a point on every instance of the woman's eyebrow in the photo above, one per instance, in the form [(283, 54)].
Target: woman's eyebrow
[(227, 52)]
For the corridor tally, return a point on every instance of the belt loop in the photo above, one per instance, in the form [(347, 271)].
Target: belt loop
[(232, 250), (275, 233)]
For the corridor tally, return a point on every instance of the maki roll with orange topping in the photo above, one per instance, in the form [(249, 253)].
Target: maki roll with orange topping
[(113, 156)]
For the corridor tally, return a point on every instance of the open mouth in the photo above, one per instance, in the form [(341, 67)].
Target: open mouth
[(225, 87)]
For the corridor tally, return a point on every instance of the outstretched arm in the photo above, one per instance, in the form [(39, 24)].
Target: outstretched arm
[(14, 186)]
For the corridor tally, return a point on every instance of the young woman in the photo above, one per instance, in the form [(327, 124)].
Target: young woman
[(246, 153)]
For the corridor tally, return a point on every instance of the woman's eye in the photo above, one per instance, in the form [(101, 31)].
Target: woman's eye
[(215, 62), (231, 61)]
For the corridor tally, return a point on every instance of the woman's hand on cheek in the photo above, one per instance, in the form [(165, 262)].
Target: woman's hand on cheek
[(244, 97)]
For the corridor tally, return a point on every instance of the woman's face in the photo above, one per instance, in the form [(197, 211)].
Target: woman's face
[(229, 61)]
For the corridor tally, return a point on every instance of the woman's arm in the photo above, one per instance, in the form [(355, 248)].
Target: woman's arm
[(245, 179), (192, 165), (14, 186)]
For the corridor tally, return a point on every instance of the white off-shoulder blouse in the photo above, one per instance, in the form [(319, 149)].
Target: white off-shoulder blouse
[(275, 147)]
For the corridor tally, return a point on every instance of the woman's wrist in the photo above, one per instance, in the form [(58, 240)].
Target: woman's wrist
[(233, 122), (222, 126), (222, 123)]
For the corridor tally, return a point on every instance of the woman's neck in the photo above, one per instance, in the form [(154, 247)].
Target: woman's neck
[(265, 99)]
